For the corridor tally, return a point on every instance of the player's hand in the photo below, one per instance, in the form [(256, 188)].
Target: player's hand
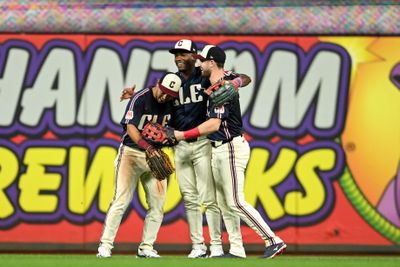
[(127, 93), (179, 135)]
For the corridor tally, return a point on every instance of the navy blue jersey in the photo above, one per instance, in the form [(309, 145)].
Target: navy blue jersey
[(190, 108), (141, 109), (230, 115)]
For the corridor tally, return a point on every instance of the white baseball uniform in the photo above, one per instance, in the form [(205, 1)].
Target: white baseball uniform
[(230, 155), (193, 163), (131, 165)]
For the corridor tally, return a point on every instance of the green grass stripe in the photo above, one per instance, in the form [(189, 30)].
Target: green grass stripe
[(368, 212), (46, 260)]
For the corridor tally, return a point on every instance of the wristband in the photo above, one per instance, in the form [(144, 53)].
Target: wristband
[(191, 134), (237, 82), (143, 144)]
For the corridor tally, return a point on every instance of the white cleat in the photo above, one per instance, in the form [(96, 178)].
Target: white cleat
[(104, 252), (147, 253), (216, 251), (198, 253)]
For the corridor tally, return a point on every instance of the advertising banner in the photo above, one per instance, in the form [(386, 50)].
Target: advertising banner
[(321, 116)]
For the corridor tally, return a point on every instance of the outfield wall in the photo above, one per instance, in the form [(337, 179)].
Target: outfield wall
[(321, 116)]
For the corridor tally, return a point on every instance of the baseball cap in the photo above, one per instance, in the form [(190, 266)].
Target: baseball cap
[(212, 52), (184, 45), (170, 84)]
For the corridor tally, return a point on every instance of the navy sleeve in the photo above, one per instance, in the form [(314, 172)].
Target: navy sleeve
[(133, 111), (218, 112)]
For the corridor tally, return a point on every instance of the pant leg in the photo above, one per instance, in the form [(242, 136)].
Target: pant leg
[(206, 188), (128, 168), (187, 184), (231, 219), (156, 192), (232, 158)]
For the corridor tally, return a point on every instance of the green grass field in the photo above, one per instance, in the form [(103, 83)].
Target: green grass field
[(76, 260)]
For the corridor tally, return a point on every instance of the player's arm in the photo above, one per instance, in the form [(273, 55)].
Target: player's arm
[(136, 136), (132, 119), (206, 128), (242, 81)]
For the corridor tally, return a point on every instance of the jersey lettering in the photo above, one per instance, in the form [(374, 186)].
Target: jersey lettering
[(153, 118), (166, 120), (144, 119), (193, 97), (219, 110)]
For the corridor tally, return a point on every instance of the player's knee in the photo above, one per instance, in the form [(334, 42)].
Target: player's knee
[(191, 200), (210, 205), (233, 207), (119, 206)]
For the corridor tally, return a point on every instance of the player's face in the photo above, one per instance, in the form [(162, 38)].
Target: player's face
[(206, 68), (162, 97), (184, 61)]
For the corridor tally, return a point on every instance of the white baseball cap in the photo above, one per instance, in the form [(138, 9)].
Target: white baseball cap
[(170, 84), (185, 46)]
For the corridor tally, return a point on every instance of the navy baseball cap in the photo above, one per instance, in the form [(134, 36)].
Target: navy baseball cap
[(170, 84), (212, 52), (185, 46)]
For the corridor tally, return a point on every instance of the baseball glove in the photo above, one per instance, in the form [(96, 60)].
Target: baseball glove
[(221, 93), (158, 135), (159, 163)]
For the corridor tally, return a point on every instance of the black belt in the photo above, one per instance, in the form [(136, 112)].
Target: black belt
[(215, 143), (196, 139)]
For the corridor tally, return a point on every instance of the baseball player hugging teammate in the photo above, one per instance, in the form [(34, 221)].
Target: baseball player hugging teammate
[(193, 157), (230, 152), (132, 163)]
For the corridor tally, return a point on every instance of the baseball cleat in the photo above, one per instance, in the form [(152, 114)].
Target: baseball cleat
[(216, 251), (104, 252), (274, 250), (197, 253), (147, 253)]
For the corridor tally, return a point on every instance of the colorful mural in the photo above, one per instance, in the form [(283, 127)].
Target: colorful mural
[(321, 116)]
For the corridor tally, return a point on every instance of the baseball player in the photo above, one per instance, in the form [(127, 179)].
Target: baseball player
[(230, 153), (150, 104), (193, 158)]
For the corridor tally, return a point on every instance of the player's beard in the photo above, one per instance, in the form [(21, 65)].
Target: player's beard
[(185, 66), (164, 99), (205, 73)]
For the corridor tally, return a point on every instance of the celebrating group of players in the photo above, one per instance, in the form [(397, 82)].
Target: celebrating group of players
[(201, 104)]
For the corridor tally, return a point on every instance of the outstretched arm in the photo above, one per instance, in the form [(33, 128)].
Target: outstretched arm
[(245, 79), (241, 81), (207, 127)]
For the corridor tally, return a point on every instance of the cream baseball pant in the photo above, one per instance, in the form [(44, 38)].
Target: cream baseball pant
[(193, 170), (130, 166), (229, 163)]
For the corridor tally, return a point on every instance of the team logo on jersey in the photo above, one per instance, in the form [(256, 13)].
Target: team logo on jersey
[(219, 110), (129, 115)]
